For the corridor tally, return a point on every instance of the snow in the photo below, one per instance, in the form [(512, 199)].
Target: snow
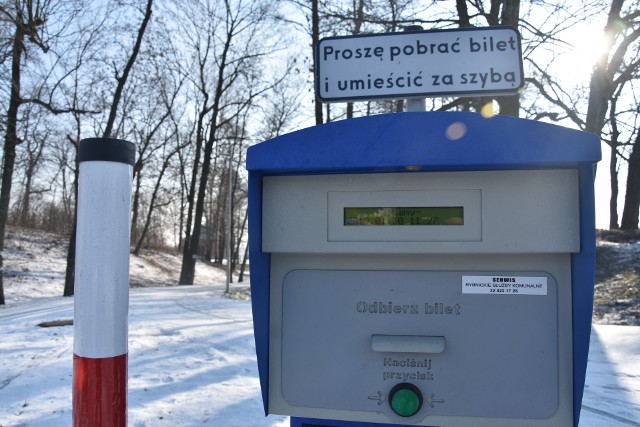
[(612, 389), (191, 361), (191, 350)]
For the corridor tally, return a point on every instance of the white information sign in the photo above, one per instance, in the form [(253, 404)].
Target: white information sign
[(463, 62), (504, 285)]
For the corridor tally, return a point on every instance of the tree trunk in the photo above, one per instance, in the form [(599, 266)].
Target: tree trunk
[(152, 203), (221, 219), (510, 105), (183, 186), (135, 205), (349, 110), (187, 252), (70, 273), (187, 272), (464, 21), (613, 165), (122, 80), (209, 252), (315, 38), (613, 202), (25, 207), (10, 142), (600, 86), (632, 196), (241, 234), (244, 263)]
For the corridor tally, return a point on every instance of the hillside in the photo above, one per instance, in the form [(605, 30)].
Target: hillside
[(617, 295), (35, 264)]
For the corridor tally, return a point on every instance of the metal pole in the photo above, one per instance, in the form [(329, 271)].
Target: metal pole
[(102, 283), (229, 221), (415, 104)]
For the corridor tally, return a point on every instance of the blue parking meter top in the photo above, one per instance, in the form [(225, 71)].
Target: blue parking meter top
[(426, 141)]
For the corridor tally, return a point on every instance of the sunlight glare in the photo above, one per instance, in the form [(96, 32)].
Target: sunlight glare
[(490, 109), (588, 43)]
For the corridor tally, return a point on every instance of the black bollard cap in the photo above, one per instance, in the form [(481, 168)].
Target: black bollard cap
[(107, 149)]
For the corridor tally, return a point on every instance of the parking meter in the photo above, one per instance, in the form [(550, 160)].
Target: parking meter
[(426, 269)]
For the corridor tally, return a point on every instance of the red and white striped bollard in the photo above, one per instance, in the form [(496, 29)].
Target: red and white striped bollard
[(101, 303)]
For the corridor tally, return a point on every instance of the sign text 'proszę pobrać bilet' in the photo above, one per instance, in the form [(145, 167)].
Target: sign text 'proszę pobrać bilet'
[(474, 62)]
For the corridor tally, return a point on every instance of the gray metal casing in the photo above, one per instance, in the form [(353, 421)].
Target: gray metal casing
[(507, 358)]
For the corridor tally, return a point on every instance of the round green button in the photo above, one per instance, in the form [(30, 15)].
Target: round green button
[(405, 399)]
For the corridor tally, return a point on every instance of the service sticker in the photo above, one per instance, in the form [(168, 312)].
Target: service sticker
[(504, 285)]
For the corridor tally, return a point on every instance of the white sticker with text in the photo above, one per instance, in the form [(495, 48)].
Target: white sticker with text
[(504, 285)]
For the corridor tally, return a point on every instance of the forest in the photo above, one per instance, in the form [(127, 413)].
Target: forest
[(194, 83)]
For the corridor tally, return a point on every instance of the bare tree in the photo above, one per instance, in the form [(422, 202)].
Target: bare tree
[(617, 66), (154, 127), (153, 204), (32, 27), (121, 79), (33, 145), (240, 27), (610, 70)]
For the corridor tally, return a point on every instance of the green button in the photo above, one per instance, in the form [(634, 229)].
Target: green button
[(405, 399)]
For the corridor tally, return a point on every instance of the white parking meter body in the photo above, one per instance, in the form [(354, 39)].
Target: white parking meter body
[(424, 269)]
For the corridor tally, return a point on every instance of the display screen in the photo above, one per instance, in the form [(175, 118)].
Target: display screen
[(432, 215)]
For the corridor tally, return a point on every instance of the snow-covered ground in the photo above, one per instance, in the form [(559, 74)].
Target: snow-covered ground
[(191, 361), (191, 350)]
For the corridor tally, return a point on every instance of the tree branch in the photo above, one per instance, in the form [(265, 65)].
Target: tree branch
[(55, 110), (568, 110), (122, 80)]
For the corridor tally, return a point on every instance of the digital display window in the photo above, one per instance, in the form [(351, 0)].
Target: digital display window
[(424, 215)]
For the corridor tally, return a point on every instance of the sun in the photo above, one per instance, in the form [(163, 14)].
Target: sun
[(585, 43)]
